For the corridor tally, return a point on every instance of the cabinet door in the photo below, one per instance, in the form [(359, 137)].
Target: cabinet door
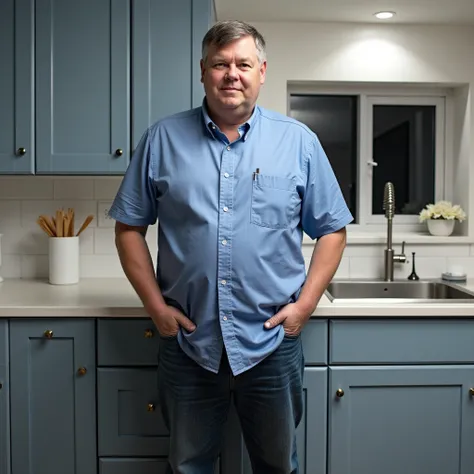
[(166, 53), (310, 436), (82, 86), (4, 400), (53, 415), (16, 87), (132, 465), (130, 421), (410, 420)]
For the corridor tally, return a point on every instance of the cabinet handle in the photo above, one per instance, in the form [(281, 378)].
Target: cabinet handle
[(118, 152), (48, 334), (151, 407), (339, 393), (81, 371), (21, 151), (149, 333), (1, 385), (471, 391)]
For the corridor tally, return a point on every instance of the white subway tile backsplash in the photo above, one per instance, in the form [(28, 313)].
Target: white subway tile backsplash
[(9, 215), (70, 188), (28, 187), (106, 188), (24, 245), (100, 266), (34, 266), (10, 266)]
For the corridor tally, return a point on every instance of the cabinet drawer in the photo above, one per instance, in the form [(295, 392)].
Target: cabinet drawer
[(125, 342), (315, 342), (401, 341), (131, 465), (129, 417)]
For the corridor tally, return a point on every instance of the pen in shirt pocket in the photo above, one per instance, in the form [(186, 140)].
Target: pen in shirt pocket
[(257, 171)]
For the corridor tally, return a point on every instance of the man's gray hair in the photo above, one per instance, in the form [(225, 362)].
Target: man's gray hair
[(224, 32)]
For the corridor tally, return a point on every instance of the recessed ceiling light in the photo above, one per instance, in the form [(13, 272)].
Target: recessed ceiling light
[(384, 15)]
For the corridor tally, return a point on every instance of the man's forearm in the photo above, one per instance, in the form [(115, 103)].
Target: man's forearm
[(325, 260), (138, 267)]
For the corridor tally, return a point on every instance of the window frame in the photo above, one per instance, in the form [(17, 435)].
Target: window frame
[(368, 95)]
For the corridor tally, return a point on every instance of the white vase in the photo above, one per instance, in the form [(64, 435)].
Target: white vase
[(440, 227)]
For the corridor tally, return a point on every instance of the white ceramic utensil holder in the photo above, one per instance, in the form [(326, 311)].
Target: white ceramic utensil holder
[(63, 260), (1, 279)]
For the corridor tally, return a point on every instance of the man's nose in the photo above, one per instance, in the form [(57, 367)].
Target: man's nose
[(232, 74)]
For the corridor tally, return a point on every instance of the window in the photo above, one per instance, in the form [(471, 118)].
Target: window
[(375, 136)]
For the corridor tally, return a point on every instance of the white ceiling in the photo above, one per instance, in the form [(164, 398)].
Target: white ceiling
[(454, 12)]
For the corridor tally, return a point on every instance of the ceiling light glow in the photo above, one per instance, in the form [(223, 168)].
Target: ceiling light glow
[(384, 15)]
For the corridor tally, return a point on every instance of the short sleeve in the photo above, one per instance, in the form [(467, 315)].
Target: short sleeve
[(136, 201), (324, 209)]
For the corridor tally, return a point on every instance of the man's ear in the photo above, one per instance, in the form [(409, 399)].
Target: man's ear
[(263, 71), (202, 70)]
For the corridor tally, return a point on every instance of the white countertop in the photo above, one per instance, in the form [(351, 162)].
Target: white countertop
[(115, 297)]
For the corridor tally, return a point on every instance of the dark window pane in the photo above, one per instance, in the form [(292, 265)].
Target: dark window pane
[(334, 120), (404, 148)]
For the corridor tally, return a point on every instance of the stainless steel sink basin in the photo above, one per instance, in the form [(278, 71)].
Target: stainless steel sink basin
[(401, 291)]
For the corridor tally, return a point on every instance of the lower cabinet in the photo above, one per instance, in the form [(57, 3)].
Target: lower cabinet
[(410, 420), (53, 399), (132, 466), (379, 397), (4, 400)]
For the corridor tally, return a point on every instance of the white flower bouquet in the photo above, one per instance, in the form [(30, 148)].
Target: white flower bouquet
[(442, 210)]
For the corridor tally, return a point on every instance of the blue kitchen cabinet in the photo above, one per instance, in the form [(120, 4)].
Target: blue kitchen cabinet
[(17, 152), (401, 419), (82, 86), (311, 433), (4, 400), (166, 45), (53, 396)]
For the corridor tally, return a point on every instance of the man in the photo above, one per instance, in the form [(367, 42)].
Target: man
[(233, 187)]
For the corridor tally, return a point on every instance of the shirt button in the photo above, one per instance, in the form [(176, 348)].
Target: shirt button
[(225, 318), (223, 282), (226, 175), (224, 242), (228, 148), (226, 209)]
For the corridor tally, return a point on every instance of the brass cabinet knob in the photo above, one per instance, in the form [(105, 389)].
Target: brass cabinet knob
[(21, 151), (150, 407), (149, 333), (81, 371), (339, 392), (118, 152), (471, 391), (48, 333)]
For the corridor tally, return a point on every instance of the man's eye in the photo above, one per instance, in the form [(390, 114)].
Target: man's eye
[(219, 65), (245, 65)]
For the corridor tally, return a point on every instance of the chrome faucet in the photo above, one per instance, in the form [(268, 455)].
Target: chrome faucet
[(390, 256)]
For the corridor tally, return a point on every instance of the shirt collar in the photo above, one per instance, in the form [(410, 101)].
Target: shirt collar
[(243, 129)]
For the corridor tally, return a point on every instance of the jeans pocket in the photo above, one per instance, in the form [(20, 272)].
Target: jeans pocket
[(273, 201)]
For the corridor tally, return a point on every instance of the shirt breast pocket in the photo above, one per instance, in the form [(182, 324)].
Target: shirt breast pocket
[(273, 201)]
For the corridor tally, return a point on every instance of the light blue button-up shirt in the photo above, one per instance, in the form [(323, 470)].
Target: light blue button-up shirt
[(231, 218)]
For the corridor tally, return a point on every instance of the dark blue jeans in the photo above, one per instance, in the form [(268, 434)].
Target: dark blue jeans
[(195, 402)]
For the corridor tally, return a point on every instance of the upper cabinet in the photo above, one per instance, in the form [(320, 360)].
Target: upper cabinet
[(82, 86), (17, 153), (166, 39), (97, 69)]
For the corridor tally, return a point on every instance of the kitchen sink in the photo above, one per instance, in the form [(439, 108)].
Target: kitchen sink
[(401, 291)]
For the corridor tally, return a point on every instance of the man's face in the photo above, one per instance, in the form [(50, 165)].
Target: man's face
[(232, 76)]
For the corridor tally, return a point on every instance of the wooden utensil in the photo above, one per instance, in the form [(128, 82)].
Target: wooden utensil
[(44, 225), (85, 224)]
